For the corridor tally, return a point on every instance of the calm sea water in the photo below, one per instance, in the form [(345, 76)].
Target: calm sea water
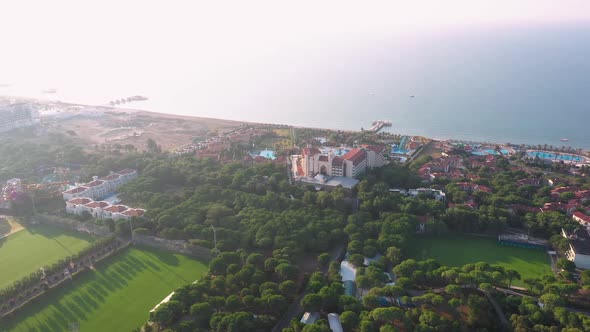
[(518, 84)]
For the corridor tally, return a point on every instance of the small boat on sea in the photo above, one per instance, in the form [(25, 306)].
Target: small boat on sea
[(565, 140)]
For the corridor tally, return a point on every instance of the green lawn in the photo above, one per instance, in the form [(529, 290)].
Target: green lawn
[(26, 251), (117, 296), (458, 250)]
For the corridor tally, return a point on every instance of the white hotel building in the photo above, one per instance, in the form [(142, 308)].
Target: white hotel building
[(101, 210), (98, 188)]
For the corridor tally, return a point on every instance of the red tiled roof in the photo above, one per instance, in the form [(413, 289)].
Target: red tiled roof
[(582, 216), (310, 151), (95, 183), (337, 161), (79, 200), (111, 177), (75, 190), (355, 155), (116, 208), (134, 212), (95, 204), (374, 148)]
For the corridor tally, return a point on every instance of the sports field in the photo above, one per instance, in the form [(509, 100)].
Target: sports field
[(116, 296), (26, 251), (458, 250)]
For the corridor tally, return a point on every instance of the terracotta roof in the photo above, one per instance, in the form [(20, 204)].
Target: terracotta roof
[(80, 200), (96, 204), (337, 161), (116, 208), (374, 148), (111, 177), (355, 155), (75, 190), (126, 171), (310, 151), (134, 212), (95, 183), (581, 216)]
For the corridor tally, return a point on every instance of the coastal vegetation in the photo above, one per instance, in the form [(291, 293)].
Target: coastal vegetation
[(277, 245)]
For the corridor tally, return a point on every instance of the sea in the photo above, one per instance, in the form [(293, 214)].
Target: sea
[(513, 83)]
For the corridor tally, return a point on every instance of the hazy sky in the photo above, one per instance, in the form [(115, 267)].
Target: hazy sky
[(48, 42)]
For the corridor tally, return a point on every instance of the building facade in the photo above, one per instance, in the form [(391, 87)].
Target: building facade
[(101, 210), (99, 188), (579, 251), (312, 162), (17, 115)]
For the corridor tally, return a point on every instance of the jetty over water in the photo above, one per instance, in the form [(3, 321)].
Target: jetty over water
[(379, 124)]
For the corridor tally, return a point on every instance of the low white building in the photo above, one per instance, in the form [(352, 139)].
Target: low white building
[(99, 188), (101, 209), (579, 251), (77, 205)]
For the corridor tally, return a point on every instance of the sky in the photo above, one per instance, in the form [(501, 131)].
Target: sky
[(48, 42)]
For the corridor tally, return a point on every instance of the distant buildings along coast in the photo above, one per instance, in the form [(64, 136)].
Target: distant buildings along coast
[(17, 115)]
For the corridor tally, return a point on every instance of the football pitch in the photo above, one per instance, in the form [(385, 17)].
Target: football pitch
[(458, 250), (116, 296), (26, 251)]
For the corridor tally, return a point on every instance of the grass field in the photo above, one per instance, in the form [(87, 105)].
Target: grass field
[(116, 296), (458, 250), (26, 251)]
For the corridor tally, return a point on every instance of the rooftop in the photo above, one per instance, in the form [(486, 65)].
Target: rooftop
[(116, 208), (96, 204), (95, 183), (75, 190), (355, 155), (126, 171), (80, 200)]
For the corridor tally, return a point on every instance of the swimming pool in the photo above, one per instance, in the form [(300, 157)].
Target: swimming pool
[(268, 154), (555, 156), (492, 152)]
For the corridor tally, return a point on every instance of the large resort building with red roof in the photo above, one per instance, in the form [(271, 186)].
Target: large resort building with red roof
[(312, 162)]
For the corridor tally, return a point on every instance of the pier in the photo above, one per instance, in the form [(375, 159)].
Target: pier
[(379, 124)]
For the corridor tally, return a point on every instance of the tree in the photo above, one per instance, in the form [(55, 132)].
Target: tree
[(393, 255), (349, 320), (511, 275), (324, 259), (167, 313), (201, 313), (357, 260), (311, 302), (566, 265)]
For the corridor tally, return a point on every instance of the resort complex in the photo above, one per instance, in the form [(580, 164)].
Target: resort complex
[(17, 115)]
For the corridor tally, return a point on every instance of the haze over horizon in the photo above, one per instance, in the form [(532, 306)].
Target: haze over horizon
[(301, 63)]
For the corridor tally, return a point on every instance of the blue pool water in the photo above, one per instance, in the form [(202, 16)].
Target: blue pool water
[(554, 156), (486, 152), (341, 152), (268, 154)]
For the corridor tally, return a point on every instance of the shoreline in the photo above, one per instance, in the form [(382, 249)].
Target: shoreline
[(232, 122)]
